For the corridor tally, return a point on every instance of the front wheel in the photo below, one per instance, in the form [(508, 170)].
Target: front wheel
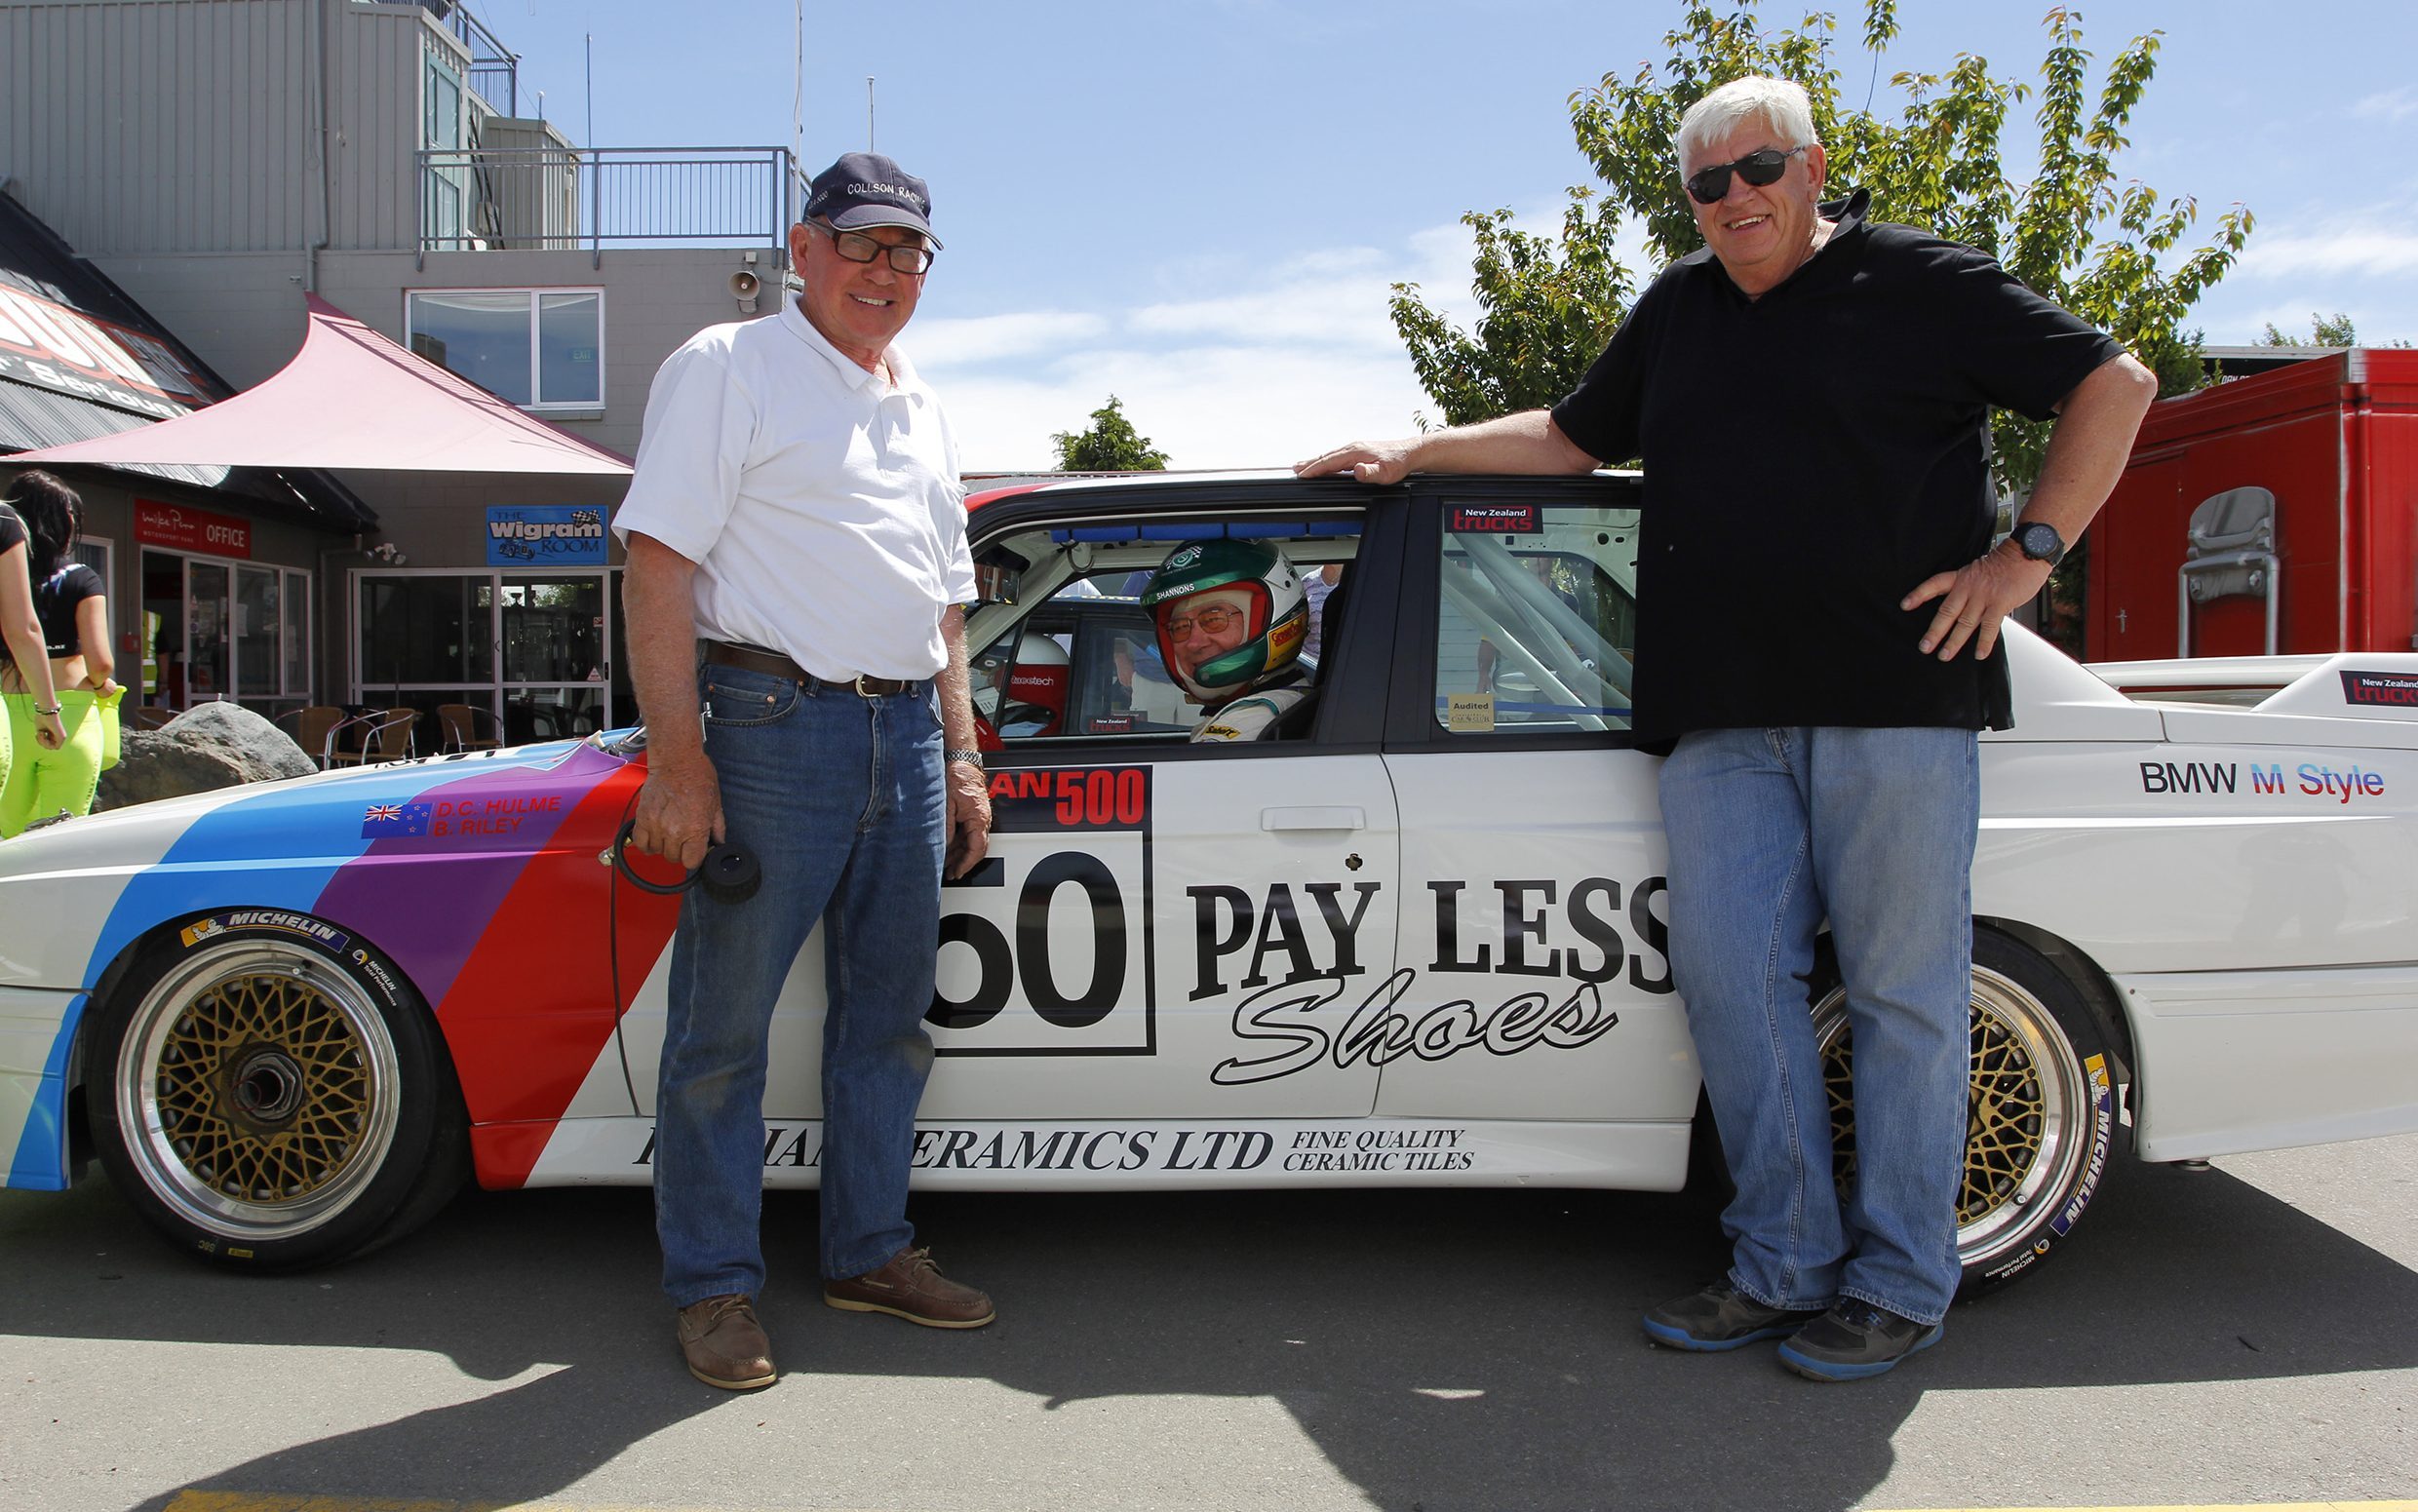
[(277, 1096), (2040, 1111)]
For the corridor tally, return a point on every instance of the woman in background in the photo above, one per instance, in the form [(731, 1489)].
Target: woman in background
[(20, 640), (61, 694)]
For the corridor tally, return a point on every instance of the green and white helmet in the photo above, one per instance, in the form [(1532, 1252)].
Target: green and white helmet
[(1267, 590)]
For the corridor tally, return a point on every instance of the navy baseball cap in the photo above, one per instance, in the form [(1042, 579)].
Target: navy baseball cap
[(867, 190)]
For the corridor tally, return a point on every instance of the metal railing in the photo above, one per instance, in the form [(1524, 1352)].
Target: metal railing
[(564, 198), (494, 69)]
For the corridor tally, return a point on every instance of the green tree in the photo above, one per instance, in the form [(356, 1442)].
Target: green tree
[(1546, 312), (1110, 445), (2107, 249), (2338, 331)]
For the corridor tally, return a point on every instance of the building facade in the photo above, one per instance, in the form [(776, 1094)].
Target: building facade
[(218, 159)]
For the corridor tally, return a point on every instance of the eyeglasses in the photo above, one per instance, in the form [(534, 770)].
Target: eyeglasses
[(1707, 185), (857, 247), (1213, 621)]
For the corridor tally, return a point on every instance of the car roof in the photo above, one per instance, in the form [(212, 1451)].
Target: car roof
[(1178, 489)]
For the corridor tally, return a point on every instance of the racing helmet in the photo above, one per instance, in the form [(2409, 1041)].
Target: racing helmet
[(1275, 611), (1037, 686)]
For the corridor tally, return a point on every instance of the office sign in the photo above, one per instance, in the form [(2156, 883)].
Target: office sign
[(181, 529)]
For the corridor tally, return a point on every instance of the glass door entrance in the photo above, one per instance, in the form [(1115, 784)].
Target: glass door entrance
[(217, 629), (552, 631), (530, 653)]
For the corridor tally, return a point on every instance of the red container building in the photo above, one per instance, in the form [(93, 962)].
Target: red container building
[(2277, 513)]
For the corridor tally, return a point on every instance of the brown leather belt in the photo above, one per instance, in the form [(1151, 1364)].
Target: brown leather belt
[(772, 664)]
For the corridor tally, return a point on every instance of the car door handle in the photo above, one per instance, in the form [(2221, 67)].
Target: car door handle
[(1334, 818)]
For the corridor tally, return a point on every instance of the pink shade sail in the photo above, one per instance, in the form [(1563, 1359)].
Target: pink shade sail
[(351, 398)]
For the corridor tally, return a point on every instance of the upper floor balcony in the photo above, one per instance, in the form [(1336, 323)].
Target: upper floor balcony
[(529, 188)]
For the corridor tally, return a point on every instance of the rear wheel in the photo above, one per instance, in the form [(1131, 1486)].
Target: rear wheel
[(276, 1094), (2041, 1109)]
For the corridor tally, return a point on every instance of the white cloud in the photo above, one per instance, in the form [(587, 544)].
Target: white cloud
[(2396, 106), (2370, 250), (990, 338), (1204, 406), (1347, 313), (1261, 364)]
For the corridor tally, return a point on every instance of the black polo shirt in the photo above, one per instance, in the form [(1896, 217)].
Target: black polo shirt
[(1810, 457)]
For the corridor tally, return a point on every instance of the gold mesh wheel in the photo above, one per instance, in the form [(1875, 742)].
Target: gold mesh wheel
[(2027, 1113), (259, 1084)]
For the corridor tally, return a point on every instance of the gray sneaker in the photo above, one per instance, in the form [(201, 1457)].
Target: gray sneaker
[(1855, 1339), (1720, 1317)]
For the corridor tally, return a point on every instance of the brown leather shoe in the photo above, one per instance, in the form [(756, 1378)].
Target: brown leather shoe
[(725, 1345), (910, 1287)]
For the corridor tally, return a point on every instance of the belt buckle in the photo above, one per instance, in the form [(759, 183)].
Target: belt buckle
[(862, 691)]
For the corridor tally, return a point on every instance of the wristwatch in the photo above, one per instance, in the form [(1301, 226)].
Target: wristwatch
[(972, 758), (2040, 541)]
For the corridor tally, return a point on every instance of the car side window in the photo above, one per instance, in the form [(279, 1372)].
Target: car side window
[(1084, 661), (1536, 618)]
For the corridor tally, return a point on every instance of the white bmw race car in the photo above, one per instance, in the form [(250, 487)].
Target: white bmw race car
[(1416, 937)]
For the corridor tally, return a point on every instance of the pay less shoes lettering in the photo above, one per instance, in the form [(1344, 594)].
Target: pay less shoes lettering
[(1052, 948)]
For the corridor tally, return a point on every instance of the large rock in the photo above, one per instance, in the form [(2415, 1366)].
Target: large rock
[(210, 745)]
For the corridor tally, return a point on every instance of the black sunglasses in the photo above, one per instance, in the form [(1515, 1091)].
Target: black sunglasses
[(1707, 185)]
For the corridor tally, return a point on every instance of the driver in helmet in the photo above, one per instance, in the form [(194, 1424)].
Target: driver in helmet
[(1231, 618)]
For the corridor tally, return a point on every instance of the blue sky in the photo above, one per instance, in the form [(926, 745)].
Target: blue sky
[(1198, 205)]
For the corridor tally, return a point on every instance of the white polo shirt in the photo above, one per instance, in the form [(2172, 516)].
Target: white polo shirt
[(820, 504)]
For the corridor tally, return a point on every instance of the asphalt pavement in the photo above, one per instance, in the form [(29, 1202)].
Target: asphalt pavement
[(2242, 1335)]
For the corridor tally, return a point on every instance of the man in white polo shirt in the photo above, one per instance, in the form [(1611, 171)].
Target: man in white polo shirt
[(795, 533)]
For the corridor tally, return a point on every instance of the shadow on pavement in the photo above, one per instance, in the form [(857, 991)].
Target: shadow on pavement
[(1444, 1349)]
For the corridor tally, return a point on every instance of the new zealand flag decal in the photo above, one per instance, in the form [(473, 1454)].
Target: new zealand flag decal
[(395, 821)]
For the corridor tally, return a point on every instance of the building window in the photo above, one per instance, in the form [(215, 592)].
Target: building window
[(540, 348), (537, 653)]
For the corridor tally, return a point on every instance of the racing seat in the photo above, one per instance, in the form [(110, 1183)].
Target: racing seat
[(1294, 723)]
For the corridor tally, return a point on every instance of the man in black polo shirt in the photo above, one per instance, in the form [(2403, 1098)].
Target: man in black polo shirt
[(1817, 604)]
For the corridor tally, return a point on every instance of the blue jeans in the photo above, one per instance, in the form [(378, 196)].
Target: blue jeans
[(1771, 831), (840, 798)]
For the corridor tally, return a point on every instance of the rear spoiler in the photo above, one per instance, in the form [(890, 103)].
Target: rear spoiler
[(2347, 685), (2354, 684)]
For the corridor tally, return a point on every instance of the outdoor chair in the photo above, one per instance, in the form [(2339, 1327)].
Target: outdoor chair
[(458, 725), (314, 730), (385, 736)]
